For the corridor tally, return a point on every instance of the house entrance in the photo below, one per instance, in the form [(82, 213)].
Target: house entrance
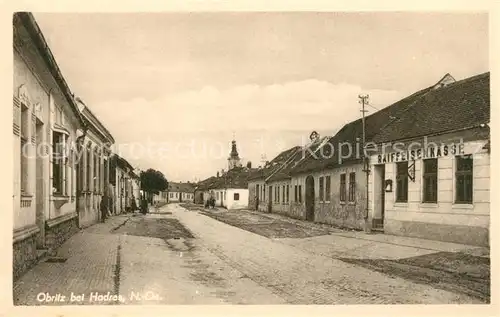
[(379, 197), (310, 198)]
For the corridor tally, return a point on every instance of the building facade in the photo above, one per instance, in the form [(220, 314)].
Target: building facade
[(122, 177), (136, 188), (443, 195), (258, 192), (46, 126), (436, 185), (180, 192), (94, 164)]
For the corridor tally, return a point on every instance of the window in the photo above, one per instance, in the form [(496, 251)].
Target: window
[(24, 146), (257, 191), (236, 196), (87, 161), (328, 185), (342, 187), (463, 179), (352, 187), (300, 193), (217, 195), (73, 170), (225, 195), (59, 162), (321, 189), (430, 181), (105, 176), (296, 194), (287, 193), (402, 182), (96, 171), (277, 194), (24, 166), (284, 196)]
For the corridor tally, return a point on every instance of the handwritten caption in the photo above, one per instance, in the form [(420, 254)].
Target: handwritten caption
[(97, 297)]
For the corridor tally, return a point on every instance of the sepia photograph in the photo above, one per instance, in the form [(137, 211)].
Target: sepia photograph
[(251, 158)]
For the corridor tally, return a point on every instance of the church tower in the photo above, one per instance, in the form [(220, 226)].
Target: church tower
[(234, 158)]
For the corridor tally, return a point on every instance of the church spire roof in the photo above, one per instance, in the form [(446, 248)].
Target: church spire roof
[(234, 151)]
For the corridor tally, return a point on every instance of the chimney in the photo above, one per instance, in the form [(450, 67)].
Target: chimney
[(217, 174)]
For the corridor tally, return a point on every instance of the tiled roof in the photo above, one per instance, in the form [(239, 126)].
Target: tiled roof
[(352, 133), (121, 162), (457, 105), (181, 187), (460, 105), (299, 156), (274, 164), (234, 178), (206, 183)]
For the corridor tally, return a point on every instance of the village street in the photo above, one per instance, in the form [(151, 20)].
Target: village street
[(187, 256)]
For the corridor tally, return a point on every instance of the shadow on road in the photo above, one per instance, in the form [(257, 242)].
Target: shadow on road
[(450, 271), (162, 228), (265, 226)]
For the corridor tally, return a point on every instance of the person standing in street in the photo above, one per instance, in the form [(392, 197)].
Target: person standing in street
[(104, 208)]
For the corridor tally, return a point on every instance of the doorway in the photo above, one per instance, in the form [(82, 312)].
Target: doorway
[(379, 197), (310, 198), (270, 200)]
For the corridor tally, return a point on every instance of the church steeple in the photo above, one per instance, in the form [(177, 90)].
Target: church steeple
[(234, 158)]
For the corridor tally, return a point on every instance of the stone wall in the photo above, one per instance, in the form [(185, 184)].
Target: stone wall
[(343, 214), (58, 233), (24, 255), (463, 234)]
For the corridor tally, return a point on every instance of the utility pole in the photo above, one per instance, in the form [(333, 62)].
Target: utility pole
[(366, 165)]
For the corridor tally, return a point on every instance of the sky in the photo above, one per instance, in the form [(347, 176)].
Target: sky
[(175, 88)]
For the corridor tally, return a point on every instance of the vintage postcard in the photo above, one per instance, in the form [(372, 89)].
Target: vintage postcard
[(250, 157)]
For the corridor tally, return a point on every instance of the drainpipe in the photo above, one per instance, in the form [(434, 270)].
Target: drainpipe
[(78, 181)]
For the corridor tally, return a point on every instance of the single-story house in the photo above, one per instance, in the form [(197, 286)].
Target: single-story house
[(180, 192)]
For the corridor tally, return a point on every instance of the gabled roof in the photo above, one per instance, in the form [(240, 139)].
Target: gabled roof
[(205, 184), (299, 156), (181, 187), (352, 133), (274, 164), (92, 120), (121, 162), (234, 178), (460, 105), (442, 107)]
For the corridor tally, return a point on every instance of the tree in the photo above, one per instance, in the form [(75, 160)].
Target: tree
[(153, 182)]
